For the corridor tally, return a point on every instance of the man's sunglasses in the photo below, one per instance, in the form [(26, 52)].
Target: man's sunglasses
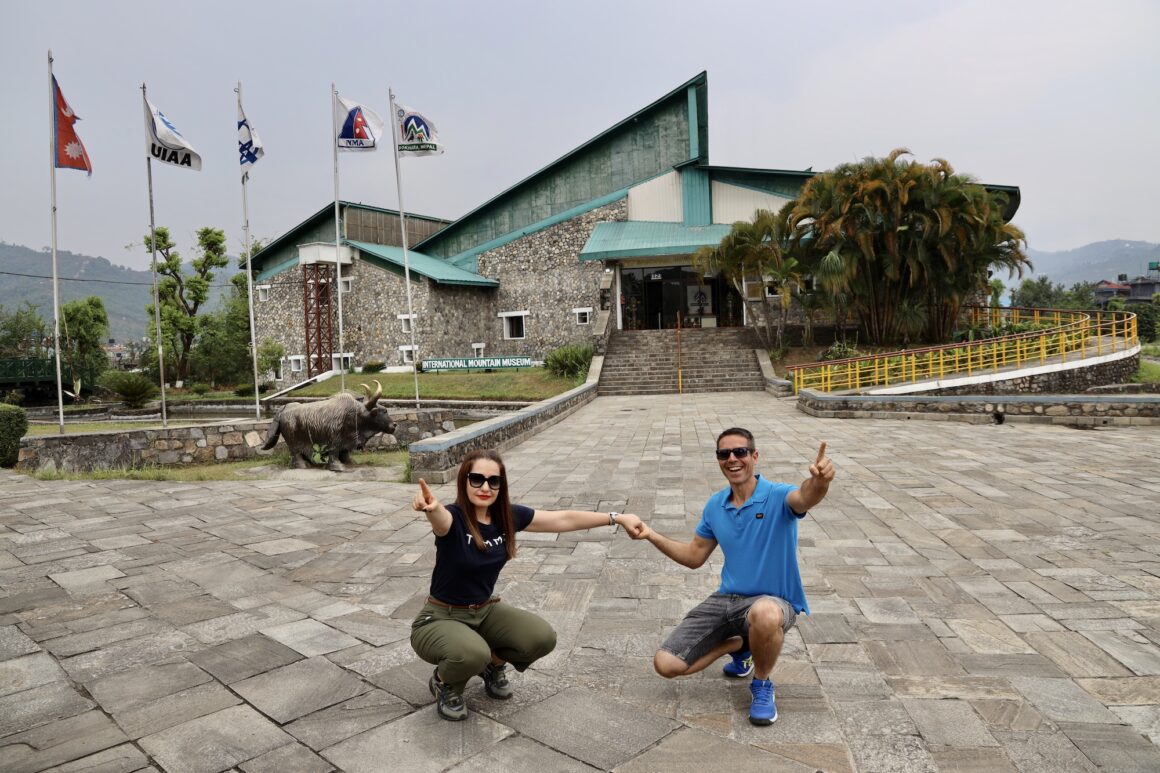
[(740, 453), (476, 480)]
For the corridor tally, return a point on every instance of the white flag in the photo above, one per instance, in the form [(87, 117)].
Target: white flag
[(417, 134), (356, 127), (165, 142), (249, 144)]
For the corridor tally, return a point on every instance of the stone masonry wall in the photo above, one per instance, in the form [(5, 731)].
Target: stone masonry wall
[(203, 444), (1074, 381), (542, 274)]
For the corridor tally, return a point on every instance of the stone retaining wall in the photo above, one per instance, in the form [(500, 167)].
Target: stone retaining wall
[(1073, 410), (1075, 380), (202, 444), (437, 459)]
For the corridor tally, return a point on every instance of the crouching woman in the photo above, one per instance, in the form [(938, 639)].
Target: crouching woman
[(463, 629)]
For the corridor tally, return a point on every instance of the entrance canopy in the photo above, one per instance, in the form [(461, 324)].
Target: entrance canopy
[(638, 239)]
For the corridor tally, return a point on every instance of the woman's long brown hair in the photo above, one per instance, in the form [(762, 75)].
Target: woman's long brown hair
[(500, 510)]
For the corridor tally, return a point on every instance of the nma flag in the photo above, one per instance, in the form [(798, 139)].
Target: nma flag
[(356, 127)]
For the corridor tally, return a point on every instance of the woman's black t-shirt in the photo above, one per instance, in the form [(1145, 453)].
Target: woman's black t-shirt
[(463, 573)]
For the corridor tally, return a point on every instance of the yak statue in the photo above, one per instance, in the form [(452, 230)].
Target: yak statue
[(336, 426)]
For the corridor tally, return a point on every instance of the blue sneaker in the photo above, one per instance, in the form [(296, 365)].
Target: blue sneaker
[(763, 711), (740, 666)]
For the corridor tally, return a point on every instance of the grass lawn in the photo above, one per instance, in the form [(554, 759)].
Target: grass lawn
[(72, 427), (525, 384), (224, 470), (1149, 373)]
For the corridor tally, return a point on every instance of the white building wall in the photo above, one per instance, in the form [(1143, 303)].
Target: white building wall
[(732, 203), (658, 200)]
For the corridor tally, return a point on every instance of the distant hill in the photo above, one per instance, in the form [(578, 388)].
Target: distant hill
[(1096, 261), (27, 275)]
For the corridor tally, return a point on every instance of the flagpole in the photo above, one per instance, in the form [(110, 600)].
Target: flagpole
[(153, 268), (249, 273), (337, 242), (55, 280), (406, 260)]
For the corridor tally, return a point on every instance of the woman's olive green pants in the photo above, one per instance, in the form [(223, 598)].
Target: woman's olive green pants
[(460, 641)]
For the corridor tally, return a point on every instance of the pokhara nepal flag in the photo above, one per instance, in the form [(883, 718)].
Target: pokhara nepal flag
[(70, 151), (356, 127)]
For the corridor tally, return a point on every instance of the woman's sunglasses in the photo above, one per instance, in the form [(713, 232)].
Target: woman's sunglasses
[(740, 453), (476, 480)]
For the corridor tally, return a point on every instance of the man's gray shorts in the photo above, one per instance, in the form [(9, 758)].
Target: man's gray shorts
[(716, 619)]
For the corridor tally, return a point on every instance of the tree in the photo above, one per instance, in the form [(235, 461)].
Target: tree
[(1082, 295), (1039, 293), (270, 354), (184, 294), (22, 331), (751, 252), (897, 235), (221, 353), (997, 289), (83, 331)]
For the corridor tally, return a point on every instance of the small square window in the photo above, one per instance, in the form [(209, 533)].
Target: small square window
[(583, 315), (297, 362), (280, 370), (513, 324), (346, 285), (408, 354), (263, 293), (406, 321), (477, 350)]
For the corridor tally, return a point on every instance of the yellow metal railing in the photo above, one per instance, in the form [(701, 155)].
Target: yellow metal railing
[(1068, 335)]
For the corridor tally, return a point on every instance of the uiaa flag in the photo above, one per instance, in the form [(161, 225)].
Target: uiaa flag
[(164, 142)]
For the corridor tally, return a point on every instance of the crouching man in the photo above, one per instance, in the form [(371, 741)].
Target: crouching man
[(755, 522)]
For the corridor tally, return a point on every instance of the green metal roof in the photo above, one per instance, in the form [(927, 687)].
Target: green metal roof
[(436, 269), (636, 239)]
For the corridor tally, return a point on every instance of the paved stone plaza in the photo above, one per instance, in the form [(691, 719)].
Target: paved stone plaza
[(985, 598)]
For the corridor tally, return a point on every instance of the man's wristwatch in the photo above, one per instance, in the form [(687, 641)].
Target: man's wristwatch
[(612, 518)]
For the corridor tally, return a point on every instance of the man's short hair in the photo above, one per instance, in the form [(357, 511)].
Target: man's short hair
[(741, 432)]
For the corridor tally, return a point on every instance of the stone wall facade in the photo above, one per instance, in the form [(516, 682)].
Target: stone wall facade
[(204, 444), (540, 273)]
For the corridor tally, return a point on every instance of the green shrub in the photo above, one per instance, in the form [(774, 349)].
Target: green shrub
[(13, 425), (264, 387), (244, 390), (839, 350), (12, 397), (570, 361), (199, 389), (373, 366), (135, 389), (1148, 320)]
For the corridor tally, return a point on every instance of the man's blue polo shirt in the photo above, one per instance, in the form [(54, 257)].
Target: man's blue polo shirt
[(759, 542)]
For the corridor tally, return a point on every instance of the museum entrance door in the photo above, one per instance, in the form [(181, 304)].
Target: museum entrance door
[(650, 299)]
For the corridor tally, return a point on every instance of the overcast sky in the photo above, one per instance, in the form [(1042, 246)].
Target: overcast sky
[(1059, 98)]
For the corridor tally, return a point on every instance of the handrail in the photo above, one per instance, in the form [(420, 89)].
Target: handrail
[(1071, 332)]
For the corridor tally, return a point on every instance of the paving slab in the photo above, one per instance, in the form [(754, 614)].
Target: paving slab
[(298, 689), (418, 743), (995, 581), (590, 727), (215, 742)]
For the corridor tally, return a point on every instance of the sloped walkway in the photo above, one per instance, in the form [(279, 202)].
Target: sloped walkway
[(984, 598)]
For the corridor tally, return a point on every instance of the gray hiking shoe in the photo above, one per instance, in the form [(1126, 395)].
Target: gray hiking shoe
[(449, 703), (496, 683)]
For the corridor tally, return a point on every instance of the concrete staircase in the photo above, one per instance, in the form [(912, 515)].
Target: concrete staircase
[(644, 362)]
